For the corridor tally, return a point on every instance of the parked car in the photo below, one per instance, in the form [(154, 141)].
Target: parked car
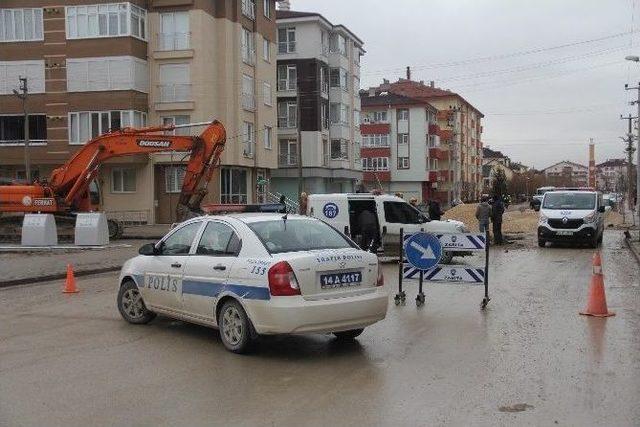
[(536, 200)]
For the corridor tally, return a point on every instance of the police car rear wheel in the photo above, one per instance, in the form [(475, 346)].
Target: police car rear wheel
[(235, 327), (348, 335), (131, 305)]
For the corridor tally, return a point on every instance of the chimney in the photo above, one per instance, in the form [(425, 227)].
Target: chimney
[(432, 83), (284, 5), (408, 73)]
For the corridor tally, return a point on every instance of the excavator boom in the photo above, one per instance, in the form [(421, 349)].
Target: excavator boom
[(67, 189)]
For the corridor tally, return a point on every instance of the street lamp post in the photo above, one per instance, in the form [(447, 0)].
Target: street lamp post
[(635, 58)]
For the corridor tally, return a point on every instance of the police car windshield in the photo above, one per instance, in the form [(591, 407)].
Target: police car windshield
[(569, 201), (295, 235)]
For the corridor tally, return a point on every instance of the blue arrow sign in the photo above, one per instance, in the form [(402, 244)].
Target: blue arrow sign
[(423, 250)]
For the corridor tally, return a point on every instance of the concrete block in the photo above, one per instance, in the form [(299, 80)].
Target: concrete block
[(91, 229), (39, 230)]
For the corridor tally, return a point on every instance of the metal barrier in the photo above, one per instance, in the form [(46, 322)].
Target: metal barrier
[(420, 253)]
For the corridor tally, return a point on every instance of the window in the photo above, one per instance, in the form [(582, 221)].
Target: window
[(179, 242), (174, 31), (248, 98), (123, 180), (106, 20), (286, 40), (356, 57), (375, 164), (12, 129), (431, 117), (298, 235), (338, 44), (249, 138), (266, 50), (176, 120), (339, 113), (287, 77), (356, 119), (324, 84), (287, 114), (20, 25), (356, 85), (173, 178), (403, 138), (248, 47), (401, 213), (107, 73), (324, 117), (11, 71), (249, 8), (403, 163), (338, 78), (218, 239), (86, 125), (268, 135), (266, 8), (233, 185), (175, 83), (403, 114), (288, 154), (375, 140), (379, 117), (324, 42), (267, 95), (339, 149)]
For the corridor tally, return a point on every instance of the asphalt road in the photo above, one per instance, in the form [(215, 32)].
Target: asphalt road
[(529, 359)]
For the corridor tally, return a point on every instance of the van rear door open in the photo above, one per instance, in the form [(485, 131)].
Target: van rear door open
[(356, 207)]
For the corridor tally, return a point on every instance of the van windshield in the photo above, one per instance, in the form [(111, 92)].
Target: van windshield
[(585, 201), (295, 235), (402, 213)]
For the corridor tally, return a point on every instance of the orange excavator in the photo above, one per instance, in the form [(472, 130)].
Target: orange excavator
[(67, 190)]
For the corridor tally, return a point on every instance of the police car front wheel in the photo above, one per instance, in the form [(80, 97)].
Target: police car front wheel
[(131, 305), (236, 330)]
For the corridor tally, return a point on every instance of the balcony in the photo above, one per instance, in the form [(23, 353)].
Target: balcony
[(248, 56), (436, 153), (286, 47), (248, 102), (375, 128), (446, 135), (324, 50), (287, 160), (173, 41), (175, 92), (434, 129)]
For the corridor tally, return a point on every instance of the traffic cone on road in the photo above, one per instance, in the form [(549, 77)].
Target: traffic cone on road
[(70, 283), (597, 303)]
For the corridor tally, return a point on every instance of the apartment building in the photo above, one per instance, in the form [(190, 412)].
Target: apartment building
[(611, 173), (566, 173), (95, 66), (493, 160), (400, 145), (318, 73), (458, 126)]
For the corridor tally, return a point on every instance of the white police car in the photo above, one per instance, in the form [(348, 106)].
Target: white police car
[(251, 274)]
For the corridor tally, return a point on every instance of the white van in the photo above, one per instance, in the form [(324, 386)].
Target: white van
[(342, 211), (571, 216)]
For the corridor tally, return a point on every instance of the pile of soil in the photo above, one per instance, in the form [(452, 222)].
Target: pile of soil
[(514, 221)]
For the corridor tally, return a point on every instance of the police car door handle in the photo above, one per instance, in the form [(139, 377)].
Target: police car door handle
[(220, 267), (176, 265)]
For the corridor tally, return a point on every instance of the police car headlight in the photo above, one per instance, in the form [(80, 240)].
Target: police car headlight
[(589, 218)]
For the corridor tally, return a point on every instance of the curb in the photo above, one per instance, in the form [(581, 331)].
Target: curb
[(57, 276), (630, 246)]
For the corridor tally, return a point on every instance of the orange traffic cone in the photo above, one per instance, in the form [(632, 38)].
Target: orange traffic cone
[(70, 283), (597, 303)]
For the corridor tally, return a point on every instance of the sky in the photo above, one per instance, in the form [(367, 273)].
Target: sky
[(548, 75)]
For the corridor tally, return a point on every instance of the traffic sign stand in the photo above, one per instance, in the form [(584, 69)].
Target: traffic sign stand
[(420, 254)]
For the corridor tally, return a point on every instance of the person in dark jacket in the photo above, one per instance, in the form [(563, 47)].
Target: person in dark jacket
[(368, 231), (435, 212), (497, 209)]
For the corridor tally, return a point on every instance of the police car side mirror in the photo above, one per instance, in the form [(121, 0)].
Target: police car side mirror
[(601, 209), (148, 249)]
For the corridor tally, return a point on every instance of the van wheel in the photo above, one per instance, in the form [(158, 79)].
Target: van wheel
[(594, 242)]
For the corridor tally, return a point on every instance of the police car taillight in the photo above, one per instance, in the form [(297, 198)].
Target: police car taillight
[(282, 280), (380, 281)]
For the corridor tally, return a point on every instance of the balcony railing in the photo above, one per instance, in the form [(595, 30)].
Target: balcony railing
[(175, 92), (287, 122), (174, 41), (285, 160), (286, 47), (248, 102), (284, 85)]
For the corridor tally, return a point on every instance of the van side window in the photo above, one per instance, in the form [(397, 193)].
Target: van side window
[(400, 213)]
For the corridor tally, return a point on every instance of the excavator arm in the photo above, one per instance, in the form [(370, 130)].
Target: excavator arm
[(67, 188)]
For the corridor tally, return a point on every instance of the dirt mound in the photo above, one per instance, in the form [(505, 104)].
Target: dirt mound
[(513, 221)]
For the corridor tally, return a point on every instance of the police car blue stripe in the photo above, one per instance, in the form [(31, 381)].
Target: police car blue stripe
[(212, 289)]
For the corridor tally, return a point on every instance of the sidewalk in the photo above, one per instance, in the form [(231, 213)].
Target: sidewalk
[(634, 244)]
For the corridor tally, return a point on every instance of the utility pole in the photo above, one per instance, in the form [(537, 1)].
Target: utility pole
[(629, 150), (637, 102), (24, 90)]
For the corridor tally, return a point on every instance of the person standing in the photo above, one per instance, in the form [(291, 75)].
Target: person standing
[(368, 231), (483, 213), (435, 212), (497, 209)]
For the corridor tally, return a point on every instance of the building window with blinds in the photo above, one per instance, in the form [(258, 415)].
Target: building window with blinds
[(173, 178)]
